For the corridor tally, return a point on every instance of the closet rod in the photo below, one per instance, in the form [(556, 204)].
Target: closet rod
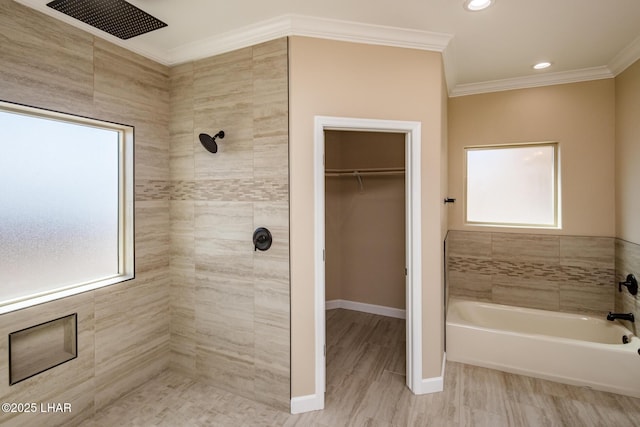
[(364, 172)]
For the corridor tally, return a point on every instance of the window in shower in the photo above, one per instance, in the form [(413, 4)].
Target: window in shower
[(513, 185), (66, 205)]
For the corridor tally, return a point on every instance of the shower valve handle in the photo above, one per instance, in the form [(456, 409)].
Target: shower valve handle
[(631, 284)]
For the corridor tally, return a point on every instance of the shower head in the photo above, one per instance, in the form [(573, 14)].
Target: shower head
[(209, 142)]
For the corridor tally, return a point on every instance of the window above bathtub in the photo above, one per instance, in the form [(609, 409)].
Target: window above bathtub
[(512, 185), (66, 205)]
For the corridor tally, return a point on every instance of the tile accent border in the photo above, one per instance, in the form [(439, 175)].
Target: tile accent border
[(152, 189)]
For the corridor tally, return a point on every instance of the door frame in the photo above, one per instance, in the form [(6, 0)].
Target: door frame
[(412, 131)]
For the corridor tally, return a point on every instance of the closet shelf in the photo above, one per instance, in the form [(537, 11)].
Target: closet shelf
[(364, 172)]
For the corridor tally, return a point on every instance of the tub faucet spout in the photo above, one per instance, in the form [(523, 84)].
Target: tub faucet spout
[(622, 316)]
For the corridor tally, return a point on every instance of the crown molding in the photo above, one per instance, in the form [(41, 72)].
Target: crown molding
[(263, 31), (626, 57), (358, 32), (548, 79), (299, 25), (242, 37)]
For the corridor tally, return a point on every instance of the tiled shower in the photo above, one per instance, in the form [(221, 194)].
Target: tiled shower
[(203, 302), (230, 303)]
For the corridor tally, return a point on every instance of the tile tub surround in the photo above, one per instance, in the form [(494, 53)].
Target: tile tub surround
[(229, 303), (123, 329), (559, 273), (627, 261)]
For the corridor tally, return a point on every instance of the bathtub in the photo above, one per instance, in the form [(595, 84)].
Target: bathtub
[(567, 348)]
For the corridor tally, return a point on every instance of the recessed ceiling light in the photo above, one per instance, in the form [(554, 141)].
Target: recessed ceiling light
[(476, 5), (542, 65)]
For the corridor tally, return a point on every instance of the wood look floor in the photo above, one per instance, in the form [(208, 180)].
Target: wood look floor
[(366, 387)]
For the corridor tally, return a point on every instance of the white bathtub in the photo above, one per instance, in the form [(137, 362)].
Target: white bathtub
[(567, 348)]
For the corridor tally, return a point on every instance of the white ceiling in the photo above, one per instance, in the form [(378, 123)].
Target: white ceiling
[(483, 51)]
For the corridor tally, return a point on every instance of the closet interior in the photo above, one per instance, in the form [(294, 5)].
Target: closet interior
[(364, 260), (365, 218)]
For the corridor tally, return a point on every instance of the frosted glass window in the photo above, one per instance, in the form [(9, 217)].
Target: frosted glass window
[(512, 185), (61, 204)]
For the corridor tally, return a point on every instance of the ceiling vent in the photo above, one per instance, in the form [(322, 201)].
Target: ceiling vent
[(116, 17)]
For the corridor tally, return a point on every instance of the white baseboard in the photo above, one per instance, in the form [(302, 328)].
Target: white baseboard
[(366, 308), (308, 403), (433, 385)]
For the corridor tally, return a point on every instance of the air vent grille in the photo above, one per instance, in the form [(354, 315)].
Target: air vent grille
[(116, 17)]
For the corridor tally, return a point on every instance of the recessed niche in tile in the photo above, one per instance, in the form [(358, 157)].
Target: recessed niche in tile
[(41, 347)]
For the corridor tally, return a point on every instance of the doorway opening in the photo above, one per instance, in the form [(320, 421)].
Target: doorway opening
[(410, 135), (365, 259)]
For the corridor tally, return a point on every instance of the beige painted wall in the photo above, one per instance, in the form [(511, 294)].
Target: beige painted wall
[(123, 329), (365, 227), (333, 223), (628, 154), (580, 116), (350, 80), (361, 150)]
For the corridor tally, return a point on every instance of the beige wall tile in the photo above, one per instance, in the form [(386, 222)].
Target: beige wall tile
[(44, 62), (123, 337), (135, 91), (271, 303), (132, 333), (270, 110), (587, 251), (627, 262), (472, 286), (223, 101), (524, 292), (151, 235), (525, 248), (128, 76), (270, 158), (223, 244), (226, 371), (182, 223), (627, 259), (586, 298), (135, 321), (272, 382), (140, 367), (565, 273), (468, 244), (182, 292), (238, 335), (183, 139)]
